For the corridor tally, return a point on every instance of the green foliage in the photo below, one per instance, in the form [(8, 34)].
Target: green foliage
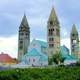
[(78, 63), (56, 73), (50, 61), (56, 58)]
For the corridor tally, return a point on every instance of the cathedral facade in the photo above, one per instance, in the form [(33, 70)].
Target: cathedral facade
[(28, 51)]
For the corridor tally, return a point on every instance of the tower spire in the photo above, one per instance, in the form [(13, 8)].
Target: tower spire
[(74, 37), (24, 21), (74, 30), (53, 16)]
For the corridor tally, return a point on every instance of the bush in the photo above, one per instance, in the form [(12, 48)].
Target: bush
[(56, 73)]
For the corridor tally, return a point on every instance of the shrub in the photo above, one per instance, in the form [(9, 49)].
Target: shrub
[(56, 73)]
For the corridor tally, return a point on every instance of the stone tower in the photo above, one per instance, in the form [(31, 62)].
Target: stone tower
[(24, 38), (74, 37), (53, 34)]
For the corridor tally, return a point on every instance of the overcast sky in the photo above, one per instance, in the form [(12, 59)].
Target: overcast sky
[(37, 13)]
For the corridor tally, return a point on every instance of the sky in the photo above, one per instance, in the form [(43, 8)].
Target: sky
[(37, 13)]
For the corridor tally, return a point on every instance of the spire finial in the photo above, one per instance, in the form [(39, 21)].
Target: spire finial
[(24, 21), (53, 16)]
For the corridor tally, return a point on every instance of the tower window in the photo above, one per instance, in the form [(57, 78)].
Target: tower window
[(50, 31), (21, 42), (29, 59), (51, 45), (73, 35), (26, 33), (53, 29), (51, 23), (21, 33), (57, 32), (33, 60), (20, 47), (51, 39)]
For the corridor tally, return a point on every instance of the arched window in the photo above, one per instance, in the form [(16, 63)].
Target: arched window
[(51, 22), (33, 60)]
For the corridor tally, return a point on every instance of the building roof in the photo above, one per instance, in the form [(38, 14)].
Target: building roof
[(70, 57), (42, 43), (5, 58), (33, 52), (64, 51)]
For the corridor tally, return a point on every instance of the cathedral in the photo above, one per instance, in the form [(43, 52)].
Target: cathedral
[(37, 53)]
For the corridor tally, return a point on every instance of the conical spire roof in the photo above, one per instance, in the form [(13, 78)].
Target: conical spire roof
[(53, 15), (74, 30), (24, 21)]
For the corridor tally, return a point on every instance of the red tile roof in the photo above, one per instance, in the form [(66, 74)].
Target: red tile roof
[(5, 58)]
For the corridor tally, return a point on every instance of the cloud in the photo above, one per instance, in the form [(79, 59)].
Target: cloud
[(66, 42), (37, 12), (9, 45)]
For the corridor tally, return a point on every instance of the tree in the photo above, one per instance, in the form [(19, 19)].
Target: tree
[(57, 58), (78, 63), (50, 61)]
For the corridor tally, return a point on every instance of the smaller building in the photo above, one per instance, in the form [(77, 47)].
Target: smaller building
[(5, 59)]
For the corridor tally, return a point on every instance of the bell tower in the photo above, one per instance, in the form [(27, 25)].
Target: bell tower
[(53, 34), (74, 37), (23, 38)]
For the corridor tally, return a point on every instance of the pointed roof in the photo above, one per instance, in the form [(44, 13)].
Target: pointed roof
[(53, 15), (42, 43), (33, 52), (24, 21), (74, 30)]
